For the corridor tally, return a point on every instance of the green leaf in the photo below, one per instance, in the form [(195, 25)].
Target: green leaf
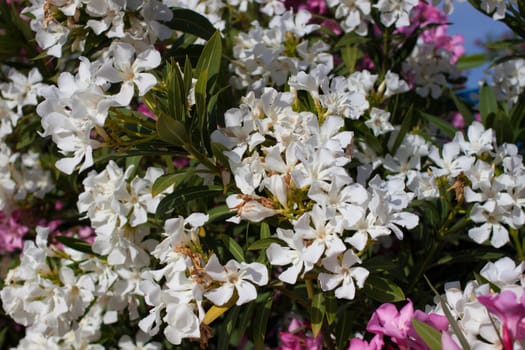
[(466, 62), (462, 108), (441, 124), (503, 128), (452, 322), (406, 126), (430, 336), (260, 322), (183, 195), (331, 308), (165, 181), (172, 131), (219, 212), (188, 76), (200, 99), (210, 59), (218, 150), (343, 329), (487, 103), (176, 98), (265, 243), (247, 315), (233, 247), (191, 22), (265, 230), (350, 55), (317, 313), (383, 290), (3, 332), (228, 327), (76, 244)]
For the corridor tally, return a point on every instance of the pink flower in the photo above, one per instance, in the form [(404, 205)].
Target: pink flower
[(388, 321), (376, 343), (511, 311), (12, 231), (296, 338), (146, 111), (425, 14)]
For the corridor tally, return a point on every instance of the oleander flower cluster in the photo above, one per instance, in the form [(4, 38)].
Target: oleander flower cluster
[(257, 174)]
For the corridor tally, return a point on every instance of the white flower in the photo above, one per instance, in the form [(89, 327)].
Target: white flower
[(323, 237), (235, 276), (141, 342), (182, 323), (343, 274), (395, 11), (492, 225), (292, 254), (479, 139), (128, 66), (378, 121), (450, 163), (497, 6), (251, 209), (353, 14), (503, 272), (394, 84)]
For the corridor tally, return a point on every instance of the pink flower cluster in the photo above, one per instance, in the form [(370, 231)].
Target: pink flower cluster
[(297, 339), (427, 15), (12, 230), (387, 321)]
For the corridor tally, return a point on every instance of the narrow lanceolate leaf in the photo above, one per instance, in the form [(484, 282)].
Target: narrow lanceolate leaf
[(221, 212), (191, 22), (462, 108), (260, 323), (441, 124), (165, 181), (471, 61), (181, 196), (317, 313), (210, 58), (487, 102), (430, 336), (216, 311), (265, 230), (265, 243), (331, 308), (233, 247), (76, 244), (383, 290), (172, 131)]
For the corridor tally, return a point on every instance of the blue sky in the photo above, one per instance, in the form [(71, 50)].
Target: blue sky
[(473, 25)]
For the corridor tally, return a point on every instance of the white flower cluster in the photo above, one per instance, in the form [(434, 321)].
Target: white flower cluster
[(508, 80), (481, 329), (79, 103), (428, 67), (469, 165), (268, 56), (302, 177), (178, 289), (117, 211), (64, 304), (21, 174), (355, 15), (134, 22)]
